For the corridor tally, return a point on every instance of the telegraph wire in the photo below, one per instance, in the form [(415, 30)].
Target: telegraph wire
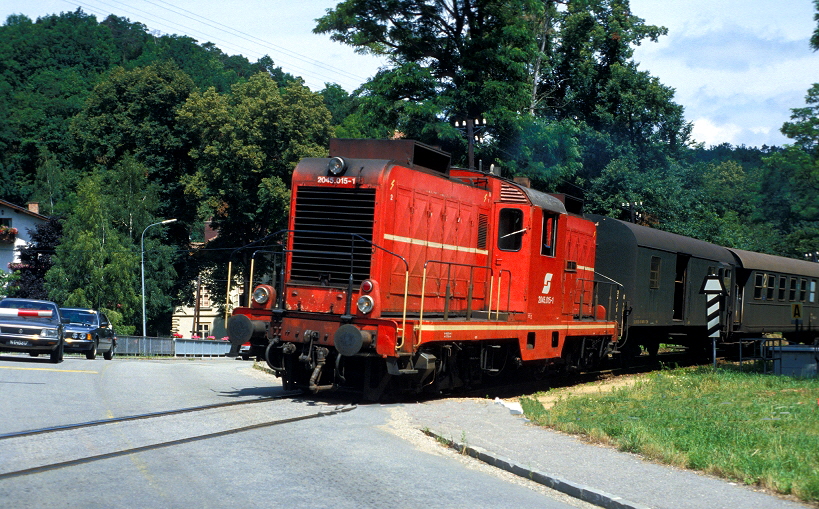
[(352, 80), (252, 38)]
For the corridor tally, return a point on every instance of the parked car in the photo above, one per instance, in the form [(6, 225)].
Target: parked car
[(32, 326), (88, 331), (245, 351)]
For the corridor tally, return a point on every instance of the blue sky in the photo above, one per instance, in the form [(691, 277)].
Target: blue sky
[(738, 66)]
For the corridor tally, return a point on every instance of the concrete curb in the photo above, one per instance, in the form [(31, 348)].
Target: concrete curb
[(573, 489)]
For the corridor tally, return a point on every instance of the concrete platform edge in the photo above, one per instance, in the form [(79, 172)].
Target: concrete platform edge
[(576, 490)]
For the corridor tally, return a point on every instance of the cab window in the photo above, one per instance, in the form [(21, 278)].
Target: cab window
[(547, 246), (510, 229)]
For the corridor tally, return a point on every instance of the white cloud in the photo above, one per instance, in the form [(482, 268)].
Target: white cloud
[(708, 132), (738, 66)]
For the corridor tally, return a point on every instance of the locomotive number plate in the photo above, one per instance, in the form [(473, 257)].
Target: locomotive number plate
[(337, 181)]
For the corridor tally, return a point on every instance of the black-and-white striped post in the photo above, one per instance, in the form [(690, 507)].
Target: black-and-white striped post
[(714, 289)]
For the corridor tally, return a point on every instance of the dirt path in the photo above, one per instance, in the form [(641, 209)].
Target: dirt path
[(548, 399)]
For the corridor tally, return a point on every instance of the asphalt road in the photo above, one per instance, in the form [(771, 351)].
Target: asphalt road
[(367, 456)]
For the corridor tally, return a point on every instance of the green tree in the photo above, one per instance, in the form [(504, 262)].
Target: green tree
[(803, 127), (94, 265), (47, 68), (247, 144), (36, 260), (448, 59), (133, 114)]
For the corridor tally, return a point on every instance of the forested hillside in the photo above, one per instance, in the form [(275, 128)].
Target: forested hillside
[(112, 129)]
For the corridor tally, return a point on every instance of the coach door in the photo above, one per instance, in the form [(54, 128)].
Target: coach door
[(680, 278)]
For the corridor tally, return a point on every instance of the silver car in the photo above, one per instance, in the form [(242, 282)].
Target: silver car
[(31, 326)]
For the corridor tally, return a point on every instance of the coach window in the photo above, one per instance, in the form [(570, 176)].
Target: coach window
[(803, 289), (654, 275), (812, 294), (759, 284), (510, 229), (547, 247), (783, 286), (792, 293), (770, 286)]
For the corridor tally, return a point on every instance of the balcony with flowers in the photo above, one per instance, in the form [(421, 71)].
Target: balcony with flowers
[(7, 234)]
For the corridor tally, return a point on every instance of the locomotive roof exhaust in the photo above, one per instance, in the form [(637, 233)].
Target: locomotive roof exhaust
[(405, 152)]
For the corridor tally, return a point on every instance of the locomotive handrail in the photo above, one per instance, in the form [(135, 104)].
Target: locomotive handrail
[(620, 299), (353, 238), (612, 312), (252, 263), (469, 292), (508, 293)]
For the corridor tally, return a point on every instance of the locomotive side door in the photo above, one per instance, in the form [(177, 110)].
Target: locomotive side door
[(548, 269), (511, 260)]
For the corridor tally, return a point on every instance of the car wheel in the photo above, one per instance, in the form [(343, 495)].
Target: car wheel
[(92, 354), (109, 354), (57, 354)]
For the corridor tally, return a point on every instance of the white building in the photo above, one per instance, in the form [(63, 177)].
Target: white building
[(203, 320), (15, 223)]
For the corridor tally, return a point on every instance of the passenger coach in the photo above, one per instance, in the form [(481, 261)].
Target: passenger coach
[(662, 275)]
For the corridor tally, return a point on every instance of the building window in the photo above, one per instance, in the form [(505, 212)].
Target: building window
[(654, 275), (204, 298)]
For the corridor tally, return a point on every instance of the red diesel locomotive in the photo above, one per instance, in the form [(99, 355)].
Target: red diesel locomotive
[(402, 272)]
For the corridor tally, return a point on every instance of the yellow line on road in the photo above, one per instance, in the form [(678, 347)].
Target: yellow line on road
[(52, 369)]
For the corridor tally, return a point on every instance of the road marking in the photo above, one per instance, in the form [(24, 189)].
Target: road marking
[(52, 369)]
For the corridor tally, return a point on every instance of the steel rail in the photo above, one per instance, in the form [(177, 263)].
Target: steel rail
[(134, 450), (64, 427)]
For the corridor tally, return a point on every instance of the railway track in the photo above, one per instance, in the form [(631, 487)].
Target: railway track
[(45, 449), (642, 364)]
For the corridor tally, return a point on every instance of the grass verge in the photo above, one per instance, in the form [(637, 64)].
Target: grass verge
[(758, 429)]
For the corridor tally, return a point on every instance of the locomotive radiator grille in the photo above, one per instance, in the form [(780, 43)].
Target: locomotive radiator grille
[(325, 246)]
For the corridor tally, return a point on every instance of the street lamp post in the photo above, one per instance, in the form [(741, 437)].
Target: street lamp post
[(142, 248)]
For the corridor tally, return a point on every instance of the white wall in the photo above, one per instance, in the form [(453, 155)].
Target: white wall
[(23, 221)]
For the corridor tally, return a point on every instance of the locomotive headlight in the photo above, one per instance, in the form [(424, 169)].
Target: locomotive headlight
[(336, 166), (261, 295), (365, 304)]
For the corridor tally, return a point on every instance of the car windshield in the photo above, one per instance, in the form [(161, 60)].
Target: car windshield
[(30, 306), (77, 316)]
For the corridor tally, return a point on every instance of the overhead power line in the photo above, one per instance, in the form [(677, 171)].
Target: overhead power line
[(318, 71)]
